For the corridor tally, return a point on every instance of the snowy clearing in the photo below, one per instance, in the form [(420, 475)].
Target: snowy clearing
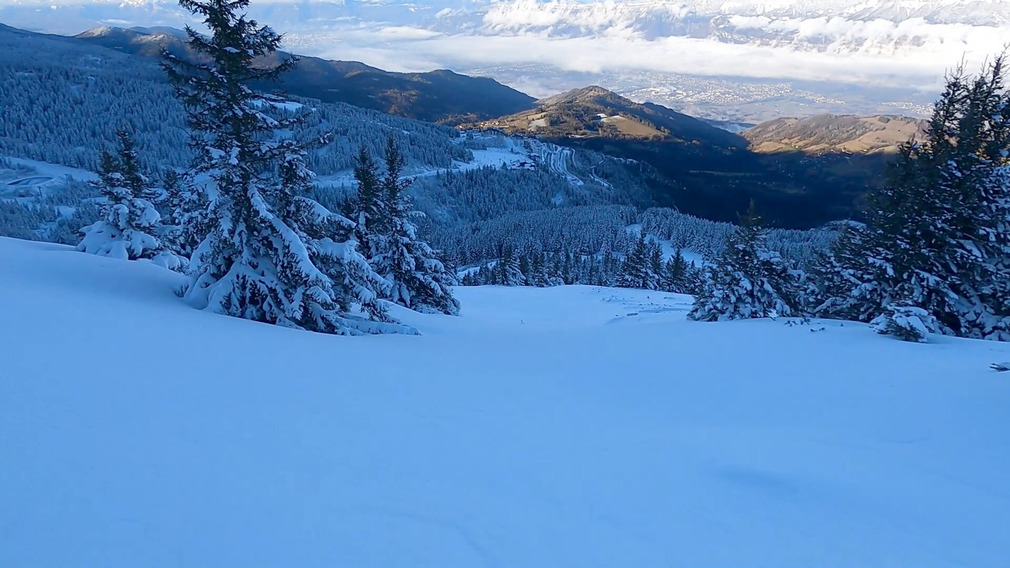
[(46, 169), (666, 245), (573, 426), (33, 180)]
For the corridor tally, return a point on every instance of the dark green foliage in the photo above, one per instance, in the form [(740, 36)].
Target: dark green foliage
[(642, 266), (675, 275)]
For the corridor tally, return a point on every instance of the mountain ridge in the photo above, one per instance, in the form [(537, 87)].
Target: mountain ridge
[(675, 159), (596, 111), (440, 96), (714, 173), (827, 133)]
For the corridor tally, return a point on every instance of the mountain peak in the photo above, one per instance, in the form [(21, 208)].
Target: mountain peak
[(100, 31), (592, 93)]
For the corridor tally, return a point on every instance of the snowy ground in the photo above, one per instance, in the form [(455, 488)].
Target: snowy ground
[(33, 179), (577, 426), (46, 169)]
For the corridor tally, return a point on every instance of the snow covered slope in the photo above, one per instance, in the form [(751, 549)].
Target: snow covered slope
[(551, 427)]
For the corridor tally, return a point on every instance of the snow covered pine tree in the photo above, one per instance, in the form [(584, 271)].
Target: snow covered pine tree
[(675, 276), (371, 209), (848, 282), (936, 254), (418, 279), (184, 212), (257, 260), (130, 223), (747, 281), (329, 239), (640, 268)]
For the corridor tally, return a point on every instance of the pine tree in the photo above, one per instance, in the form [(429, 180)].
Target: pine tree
[(694, 280), (674, 275), (418, 279), (907, 323), (507, 271), (851, 279), (637, 269), (130, 223), (258, 258), (747, 281), (184, 213), (655, 265), (937, 237), (329, 239), (372, 211), (525, 266)]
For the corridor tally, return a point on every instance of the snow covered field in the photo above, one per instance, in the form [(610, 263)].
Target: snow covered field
[(576, 426), (46, 169)]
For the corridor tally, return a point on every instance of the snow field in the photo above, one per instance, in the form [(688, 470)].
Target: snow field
[(569, 426)]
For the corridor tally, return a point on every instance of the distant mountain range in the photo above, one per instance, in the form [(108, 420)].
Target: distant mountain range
[(597, 112), (829, 133), (436, 96), (741, 61), (799, 172)]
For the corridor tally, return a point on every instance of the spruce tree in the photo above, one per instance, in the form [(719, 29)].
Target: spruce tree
[(372, 212), (418, 279), (656, 266), (851, 280), (674, 275), (507, 271), (184, 215), (130, 224), (636, 270), (747, 281), (329, 240), (258, 259), (937, 239), (526, 267)]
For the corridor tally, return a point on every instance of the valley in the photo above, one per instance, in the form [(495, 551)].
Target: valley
[(630, 153)]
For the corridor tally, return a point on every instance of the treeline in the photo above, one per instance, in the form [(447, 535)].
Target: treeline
[(644, 266)]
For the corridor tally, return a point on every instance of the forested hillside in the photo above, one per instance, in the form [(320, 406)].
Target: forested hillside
[(480, 193), (436, 96)]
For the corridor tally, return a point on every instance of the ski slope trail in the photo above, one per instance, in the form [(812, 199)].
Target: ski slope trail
[(572, 426)]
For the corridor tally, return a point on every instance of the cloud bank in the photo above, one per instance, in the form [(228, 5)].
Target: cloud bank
[(906, 43)]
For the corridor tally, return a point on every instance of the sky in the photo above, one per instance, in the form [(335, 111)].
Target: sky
[(761, 39)]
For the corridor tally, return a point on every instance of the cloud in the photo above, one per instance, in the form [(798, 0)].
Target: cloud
[(858, 44), (410, 51), (830, 40)]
